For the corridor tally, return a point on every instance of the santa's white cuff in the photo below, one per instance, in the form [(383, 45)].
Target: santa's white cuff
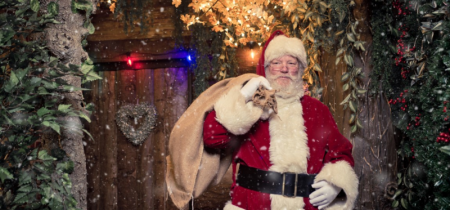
[(340, 174), (234, 114)]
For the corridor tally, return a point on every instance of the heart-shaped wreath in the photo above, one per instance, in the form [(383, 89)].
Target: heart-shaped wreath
[(136, 136)]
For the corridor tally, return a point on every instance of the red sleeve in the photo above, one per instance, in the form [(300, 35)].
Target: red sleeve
[(214, 134), (339, 147)]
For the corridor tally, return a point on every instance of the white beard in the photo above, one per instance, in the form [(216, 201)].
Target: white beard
[(294, 89)]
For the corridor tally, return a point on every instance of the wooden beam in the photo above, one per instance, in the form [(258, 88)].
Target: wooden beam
[(161, 25), (145, 49), (117, 66)]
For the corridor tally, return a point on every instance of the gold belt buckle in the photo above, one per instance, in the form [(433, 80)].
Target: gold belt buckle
[(284, 183)]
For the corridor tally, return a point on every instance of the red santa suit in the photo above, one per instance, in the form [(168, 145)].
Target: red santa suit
[(301, 138)]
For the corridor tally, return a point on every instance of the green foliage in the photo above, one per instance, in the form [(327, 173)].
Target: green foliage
[(31, 92), (177, 33), (411, 67), (213, 60), (384, 35), (86, 7), (132, 12), (331, 26)]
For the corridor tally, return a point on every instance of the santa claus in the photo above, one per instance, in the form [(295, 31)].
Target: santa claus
[(295, 158)]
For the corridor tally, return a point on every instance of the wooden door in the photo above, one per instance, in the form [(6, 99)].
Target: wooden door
[(120, 174)]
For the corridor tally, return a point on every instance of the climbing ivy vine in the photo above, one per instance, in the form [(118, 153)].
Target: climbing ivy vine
[(31, 93)]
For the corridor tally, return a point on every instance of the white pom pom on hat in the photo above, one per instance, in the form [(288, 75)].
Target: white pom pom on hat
[(282, 45)]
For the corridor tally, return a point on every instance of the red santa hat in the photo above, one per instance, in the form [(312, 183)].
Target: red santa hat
[(279, 45)]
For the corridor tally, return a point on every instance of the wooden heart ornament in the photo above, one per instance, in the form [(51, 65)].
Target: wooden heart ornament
[(128, 115)]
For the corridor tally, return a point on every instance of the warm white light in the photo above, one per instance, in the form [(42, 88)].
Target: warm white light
[(259, 43), (218, 22), (252, 54), (235, 44)]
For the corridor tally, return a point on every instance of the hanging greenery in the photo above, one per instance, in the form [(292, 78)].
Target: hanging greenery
[(414, 44), (31, 91), (213, 60), (177, 33), (133, 12), (383, 50)]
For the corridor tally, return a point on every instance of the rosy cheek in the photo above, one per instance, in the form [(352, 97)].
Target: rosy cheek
[(293, 73)]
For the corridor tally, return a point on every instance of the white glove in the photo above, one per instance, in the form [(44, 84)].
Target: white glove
[(252, 85), (325, 193)]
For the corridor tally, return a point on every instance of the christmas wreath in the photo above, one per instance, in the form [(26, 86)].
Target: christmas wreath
[(134, 112)]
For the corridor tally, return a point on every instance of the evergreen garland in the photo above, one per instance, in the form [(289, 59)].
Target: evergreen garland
[(383, 49), (417, 81), (214, 61), (31, 92), (177, 33), (134, 12), (201, 66)]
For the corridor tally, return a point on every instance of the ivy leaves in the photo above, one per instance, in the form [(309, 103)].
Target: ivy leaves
[(85, 6), (33, 87), (54, 184), (53, 8), (5, 174), (350, 79), (35, 5), (350, 44)]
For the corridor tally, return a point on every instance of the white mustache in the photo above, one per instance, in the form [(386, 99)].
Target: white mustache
[(289, 77)]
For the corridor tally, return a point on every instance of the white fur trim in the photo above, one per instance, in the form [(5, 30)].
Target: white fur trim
[(286, 203), (234, 114), (230, 206), (282, 45), (341, 174), (288, 149)]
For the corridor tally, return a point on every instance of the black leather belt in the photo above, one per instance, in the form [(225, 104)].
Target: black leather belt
[(286, 184)]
